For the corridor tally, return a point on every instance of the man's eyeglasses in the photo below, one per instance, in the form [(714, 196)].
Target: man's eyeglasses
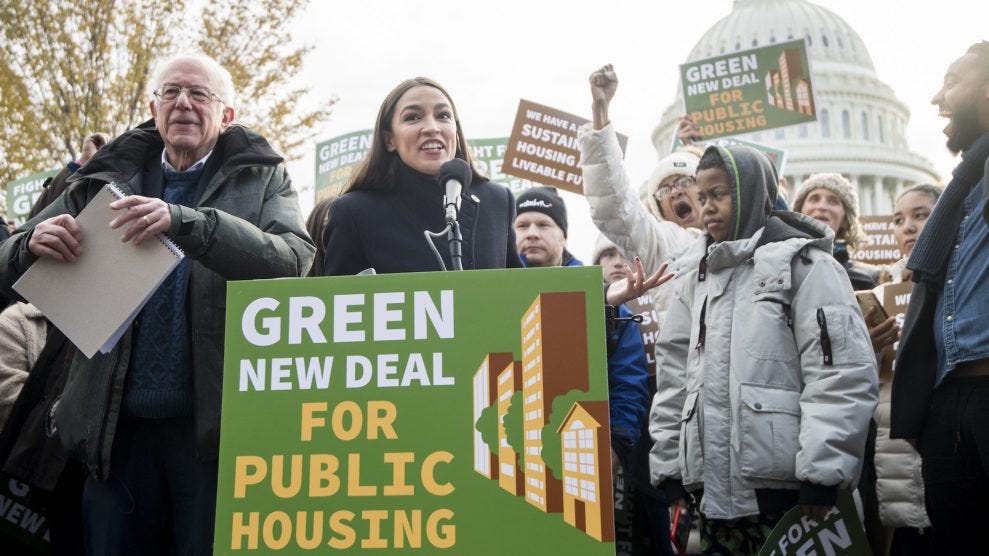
[(199, 95), (682, 183)]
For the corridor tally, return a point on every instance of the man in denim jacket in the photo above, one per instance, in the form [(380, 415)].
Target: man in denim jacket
[(940, 395)]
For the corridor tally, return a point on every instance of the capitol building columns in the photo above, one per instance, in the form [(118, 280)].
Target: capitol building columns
[(877, 194), (861, 125)]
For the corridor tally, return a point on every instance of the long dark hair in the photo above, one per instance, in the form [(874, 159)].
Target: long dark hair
[(315, 226), (379, 170)]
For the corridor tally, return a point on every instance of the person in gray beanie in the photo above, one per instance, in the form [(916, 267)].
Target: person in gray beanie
[(845, 223), (610, 257), (832, 199)]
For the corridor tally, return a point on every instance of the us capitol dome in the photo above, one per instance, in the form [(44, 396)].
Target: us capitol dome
[(860, 131)]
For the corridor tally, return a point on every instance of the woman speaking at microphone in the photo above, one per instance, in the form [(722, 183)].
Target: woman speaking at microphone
[(394, 196)]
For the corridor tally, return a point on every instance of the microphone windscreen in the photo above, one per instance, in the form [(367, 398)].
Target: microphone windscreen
[(456, 169)]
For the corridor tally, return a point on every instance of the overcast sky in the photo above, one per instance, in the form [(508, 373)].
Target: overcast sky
[(490, 54)]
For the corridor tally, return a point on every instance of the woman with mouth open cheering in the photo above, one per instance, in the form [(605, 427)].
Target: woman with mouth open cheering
[(394, 196)]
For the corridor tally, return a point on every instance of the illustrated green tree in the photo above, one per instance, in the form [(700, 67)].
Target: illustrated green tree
[(71, 68), (514, 430), (487, 425)]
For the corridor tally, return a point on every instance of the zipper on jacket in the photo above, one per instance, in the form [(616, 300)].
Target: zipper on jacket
[(822, 321), (106, 416), (702, 333), (702, 269)]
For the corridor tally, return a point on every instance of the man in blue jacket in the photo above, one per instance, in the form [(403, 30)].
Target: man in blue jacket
[(541, 238)]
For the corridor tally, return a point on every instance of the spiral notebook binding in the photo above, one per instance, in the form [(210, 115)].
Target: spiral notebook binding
[(164, 239)]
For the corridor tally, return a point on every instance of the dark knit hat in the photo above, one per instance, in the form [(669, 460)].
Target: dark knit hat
[(545, 200)]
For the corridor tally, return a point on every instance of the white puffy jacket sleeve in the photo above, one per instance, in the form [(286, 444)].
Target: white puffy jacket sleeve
[(838, 368), (672, 350), (615, 206)]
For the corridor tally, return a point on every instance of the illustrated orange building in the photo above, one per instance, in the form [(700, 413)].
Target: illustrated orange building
[(587, 488), (510, 475), (485, 395), (791, 70), (786, 87), (554, 361)]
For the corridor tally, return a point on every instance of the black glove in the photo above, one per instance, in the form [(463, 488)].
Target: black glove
[(817, 495), (671, 490)]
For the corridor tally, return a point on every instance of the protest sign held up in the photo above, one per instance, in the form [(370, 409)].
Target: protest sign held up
[(882, 247), (838, 534), (337, 159), (23, 192), (749, 91), (543, 147), (776, 155), (489, 157)]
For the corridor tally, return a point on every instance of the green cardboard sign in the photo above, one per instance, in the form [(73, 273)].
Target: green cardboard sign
[(839, 534), (463, 412), (23, 192), (23, 518), (776, 155), (489, 156), (750, 90), (336, 160)]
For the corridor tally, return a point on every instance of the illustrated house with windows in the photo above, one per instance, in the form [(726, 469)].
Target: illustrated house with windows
[(510, 476), (554, 361), (485, 395), (587, 470), (805, 103)]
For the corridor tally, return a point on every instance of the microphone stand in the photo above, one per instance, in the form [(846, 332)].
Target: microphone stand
[(453, 236), (456, 243)]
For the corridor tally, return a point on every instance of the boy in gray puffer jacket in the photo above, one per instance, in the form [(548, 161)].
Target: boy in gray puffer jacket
[(766, 376)]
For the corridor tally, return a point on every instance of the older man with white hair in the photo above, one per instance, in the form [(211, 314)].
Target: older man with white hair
[(145, 418)]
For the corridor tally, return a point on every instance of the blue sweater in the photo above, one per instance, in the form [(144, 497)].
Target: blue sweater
[(159, 384)]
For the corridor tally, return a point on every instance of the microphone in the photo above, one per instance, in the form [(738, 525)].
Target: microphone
[(455, 175)]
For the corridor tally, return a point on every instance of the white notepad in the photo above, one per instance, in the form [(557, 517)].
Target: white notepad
[(94, 299)]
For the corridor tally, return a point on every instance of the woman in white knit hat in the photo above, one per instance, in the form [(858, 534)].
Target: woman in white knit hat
[(830, 198)]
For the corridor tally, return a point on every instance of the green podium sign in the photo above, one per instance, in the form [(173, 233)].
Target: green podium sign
[(459, 412)]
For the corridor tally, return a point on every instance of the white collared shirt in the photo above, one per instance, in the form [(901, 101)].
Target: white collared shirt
[(166, 165)]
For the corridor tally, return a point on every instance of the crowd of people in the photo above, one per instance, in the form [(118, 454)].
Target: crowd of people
[(762, 390)]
